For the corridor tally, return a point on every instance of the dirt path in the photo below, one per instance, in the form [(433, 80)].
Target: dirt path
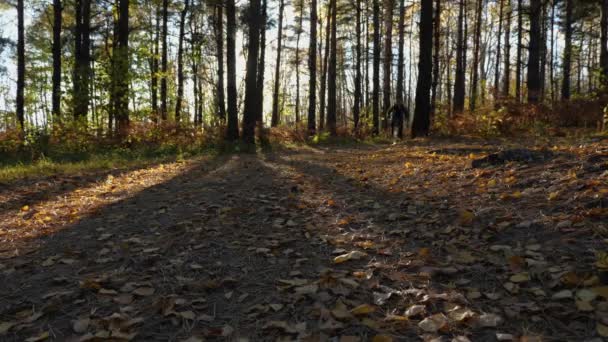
[(404, 242)]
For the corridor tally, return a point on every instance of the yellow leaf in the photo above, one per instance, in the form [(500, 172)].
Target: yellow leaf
[(466, 217), (553, 196), (363, 309), (601, 291), (520, 277), (382, 338), (492, 182), (354, 255), (25, 208), (602, 330)]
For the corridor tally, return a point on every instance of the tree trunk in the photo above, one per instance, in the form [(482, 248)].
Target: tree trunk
[(57, 22), (357, 99), (331, 87), (520, 34), (322, 91), (436, 53), (82, 54), (232, 129), (459, 79), (261, 63), (567, 54), (497, 64), (20, 66), (121, 70), (400, 58), (312, 70), (388, 59), (180, 62), (297, 59), (251, 92), (219, 34), (552, 65), (604, 44), (420, 126), (376, 76), (155, 65), (475, 66), (277, 69), (163, 81), (507, 67), (534, 53)]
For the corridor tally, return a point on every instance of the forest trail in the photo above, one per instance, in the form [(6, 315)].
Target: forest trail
[(384, 243)]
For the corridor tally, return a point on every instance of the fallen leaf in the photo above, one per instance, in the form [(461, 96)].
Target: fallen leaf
[(363, 309), (354, 255), (434, 323), (81, 325), (144, 291)]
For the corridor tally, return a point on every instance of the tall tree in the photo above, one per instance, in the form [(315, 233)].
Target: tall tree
[(154, 65), (507, 67), (475, 66), (520, 34), (376, 76), (497, 64), (357, 96), (567, 54), (164, 63), (312, 69), (421, 123), (252, 92), (261, 64), (219, 43), (20, 65), (604, 44), (436, 53), (82, 54), (232, 129), (300, 18), (180, 61), (459, 77), (331, 87), (323, 87), (400, 58), (57, 22), (277, 68), (388, 58), (121, 70), (534, 51)]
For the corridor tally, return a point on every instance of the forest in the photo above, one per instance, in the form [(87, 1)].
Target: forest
[(304, 170)]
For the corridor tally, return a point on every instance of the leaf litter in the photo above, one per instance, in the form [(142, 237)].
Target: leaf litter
[(385, 244)]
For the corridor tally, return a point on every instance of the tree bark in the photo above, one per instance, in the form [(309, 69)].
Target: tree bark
[(604, 44), (154, 66), (312, 70), (297, 59), (121, 70), (436, 53), (232, 129), (376, 67), (251, 92), (534, 53), (520, 34), (180, 62), (475, 66), (331, 87), (163, 80), (82, 54), (219, 34), (400, 58), (322, 91), (507, 66), (261, 64), (275, 120), (567, 54), (388, 59), (421, 123), (497, 64), (57, 22), (459, 79)]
